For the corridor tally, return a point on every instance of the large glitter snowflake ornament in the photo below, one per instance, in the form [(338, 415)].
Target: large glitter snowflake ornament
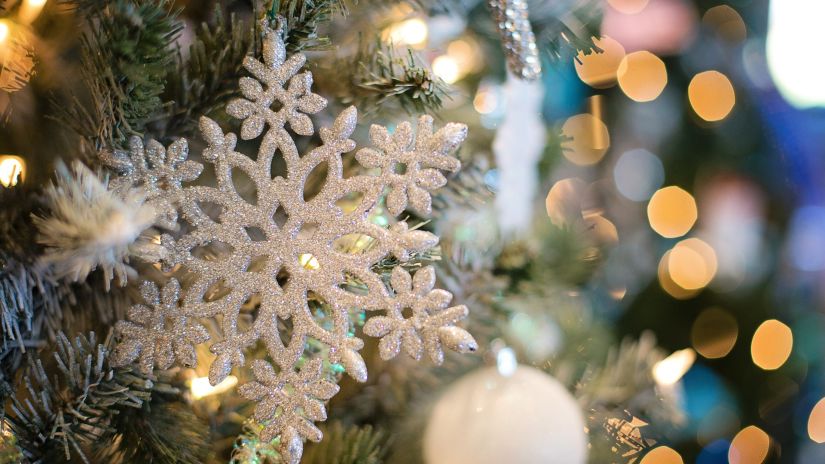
[(284, 252)]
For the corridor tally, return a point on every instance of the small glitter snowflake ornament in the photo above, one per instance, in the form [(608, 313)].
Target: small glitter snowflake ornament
[(285, 253)]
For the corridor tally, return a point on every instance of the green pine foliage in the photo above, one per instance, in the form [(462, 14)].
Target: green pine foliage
[(126, 54), (73, 406), (348, 445)]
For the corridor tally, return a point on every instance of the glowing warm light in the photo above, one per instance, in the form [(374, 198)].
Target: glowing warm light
[(797, 72), (711, 95), (12, 170), (662, 455), (308, 261), (771, 345), (410, 32), (598, 70), (668, 285), (816, 422), (671, 369), (446, 67), (692, 264), (466, 55), (727, 23), (564, 201), (628, 6), (201, 387), (485, 101), (590, 139), (4, 31), (638, 174), (642, 76), (750, 446), (30, 10), (672, 212), (714, 333)]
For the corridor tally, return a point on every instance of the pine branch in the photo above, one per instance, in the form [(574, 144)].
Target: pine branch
[(348, 445), (208, 79), (565, 29), (382, 77), (126, 52), (302, 19), (76, 406)]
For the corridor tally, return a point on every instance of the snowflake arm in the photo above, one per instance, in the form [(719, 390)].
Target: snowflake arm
[(430, 326)]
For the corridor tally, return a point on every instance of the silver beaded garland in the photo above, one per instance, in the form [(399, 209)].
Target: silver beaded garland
[(513, 24)]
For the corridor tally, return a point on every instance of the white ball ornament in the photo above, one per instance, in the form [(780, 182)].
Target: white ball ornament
[(527, 417)]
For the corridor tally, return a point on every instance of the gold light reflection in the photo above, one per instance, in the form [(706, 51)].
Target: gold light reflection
[(200, 386), (692, 264), (308, 261), (727, 23), (816, 422), (714, 333), (12, 170), (711, 95), (590, 139), (598, 70), (750, 446), (642, 76), (672, 212), (411, 32), (669, 370), (628, 6), (771, 345), (662, 455), (667, 283)]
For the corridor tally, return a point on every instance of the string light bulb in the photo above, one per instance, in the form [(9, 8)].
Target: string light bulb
[(12, 169), (201, 388)]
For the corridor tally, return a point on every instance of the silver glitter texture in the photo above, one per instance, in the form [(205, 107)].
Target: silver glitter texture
[(282, 252), (513, 24)]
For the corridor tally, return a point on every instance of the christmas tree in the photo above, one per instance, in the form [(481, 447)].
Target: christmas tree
[(440, 231)]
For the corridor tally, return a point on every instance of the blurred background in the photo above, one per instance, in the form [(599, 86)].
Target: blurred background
[(668, 174)]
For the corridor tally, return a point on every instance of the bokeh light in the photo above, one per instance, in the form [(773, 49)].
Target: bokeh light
[(667, 283), (672, 212), (642, 76), (771, 345), (486, 100), (628, 6), (692, 264), (711, 95), (798, 74), (411, 32), (12, 170), (816, 422), (200, 386), (714, 333), (669, 370), (662, 455), (806, 240), (726, 22), (4, 31), (446, 67), (663, 27), (638, 174), (750, 446), (598, 70), (29, 10), (590, 139)]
